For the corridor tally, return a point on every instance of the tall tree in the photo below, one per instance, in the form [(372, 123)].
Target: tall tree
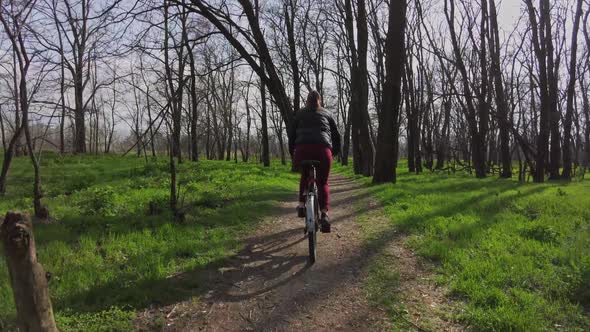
[(264, 125), (386, 154), (571, 91), (540, 49), (14, 19), (501, 100), (477, 117), (362, 146)]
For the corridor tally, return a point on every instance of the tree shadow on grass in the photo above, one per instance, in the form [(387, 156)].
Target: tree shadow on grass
[(127, 288), (253, 261), (236, 213), (232, 217), (262, 259)]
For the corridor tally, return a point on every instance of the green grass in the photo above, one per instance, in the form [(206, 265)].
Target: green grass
[(111, 255), (517, 254)]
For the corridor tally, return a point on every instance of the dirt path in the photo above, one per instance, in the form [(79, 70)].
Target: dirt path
[(269, 286)]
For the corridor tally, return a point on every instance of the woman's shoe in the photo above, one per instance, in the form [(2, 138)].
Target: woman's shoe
[(325, 223)]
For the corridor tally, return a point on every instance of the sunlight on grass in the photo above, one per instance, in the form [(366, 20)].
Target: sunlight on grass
[(114, 249), (518, 254)]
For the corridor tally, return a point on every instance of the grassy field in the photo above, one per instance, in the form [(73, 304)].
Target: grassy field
[(113, 248), (518, 255)]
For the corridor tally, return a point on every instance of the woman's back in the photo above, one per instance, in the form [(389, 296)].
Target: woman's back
[(314, 126)]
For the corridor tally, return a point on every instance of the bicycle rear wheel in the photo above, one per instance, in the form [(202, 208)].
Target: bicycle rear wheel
[(311, 229), (312, 236)]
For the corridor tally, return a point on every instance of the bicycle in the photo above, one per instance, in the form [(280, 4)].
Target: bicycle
[(312, 209)]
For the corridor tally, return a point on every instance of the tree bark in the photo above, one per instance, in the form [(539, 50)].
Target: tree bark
[(501, 101), (175, 92), (346, 140), (479, 149), (264, 127), (27, 276), (544, 120), (194, 108), (290, 6), (386, 154), (554, 114), (362, 146), (2, 132), (571, 91), (585, 91)]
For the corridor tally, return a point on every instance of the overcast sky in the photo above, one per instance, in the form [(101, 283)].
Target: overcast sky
[(508, 13)]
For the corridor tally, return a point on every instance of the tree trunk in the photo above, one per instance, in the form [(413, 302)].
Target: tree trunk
[(409, 95), (8, 155), (554, 116), (173, 192), (386, 154), (587, 138), (477, 133), (174, 92), (194, 117), (230, 136), (571, 91), (264, 125), (441, 150), (290, 22), (282, 150), (27, 276), (62, 90), (362, 147), (79, 115), (584, 88), (540, 53), (479, 143), (41, 212), (152, 137), (208, 129), (2, 132), (501, 101), (346, 141)]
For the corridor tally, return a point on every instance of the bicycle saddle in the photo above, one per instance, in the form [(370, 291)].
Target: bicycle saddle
[(308, 163)]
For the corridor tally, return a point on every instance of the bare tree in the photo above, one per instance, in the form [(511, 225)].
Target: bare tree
[(501, 100), (571, 90), (386, 154), (14, 18), (362, 146)]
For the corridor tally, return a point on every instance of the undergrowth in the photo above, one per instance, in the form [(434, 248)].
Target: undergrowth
[(112, 248)]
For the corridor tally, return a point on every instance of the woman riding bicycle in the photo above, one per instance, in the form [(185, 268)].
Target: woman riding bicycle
[(314, 136)]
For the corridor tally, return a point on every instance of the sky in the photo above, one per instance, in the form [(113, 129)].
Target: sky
[(508, 13)]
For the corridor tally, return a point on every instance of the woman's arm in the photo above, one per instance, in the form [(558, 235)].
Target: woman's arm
[(336, 147)]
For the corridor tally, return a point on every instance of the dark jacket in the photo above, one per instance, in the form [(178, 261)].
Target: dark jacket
[(314, 126)]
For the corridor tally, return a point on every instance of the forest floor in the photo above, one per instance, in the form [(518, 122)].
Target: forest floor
[(270, 286), (435, 251)]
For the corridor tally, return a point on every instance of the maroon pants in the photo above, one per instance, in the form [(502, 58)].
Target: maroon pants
[(323, 154)]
